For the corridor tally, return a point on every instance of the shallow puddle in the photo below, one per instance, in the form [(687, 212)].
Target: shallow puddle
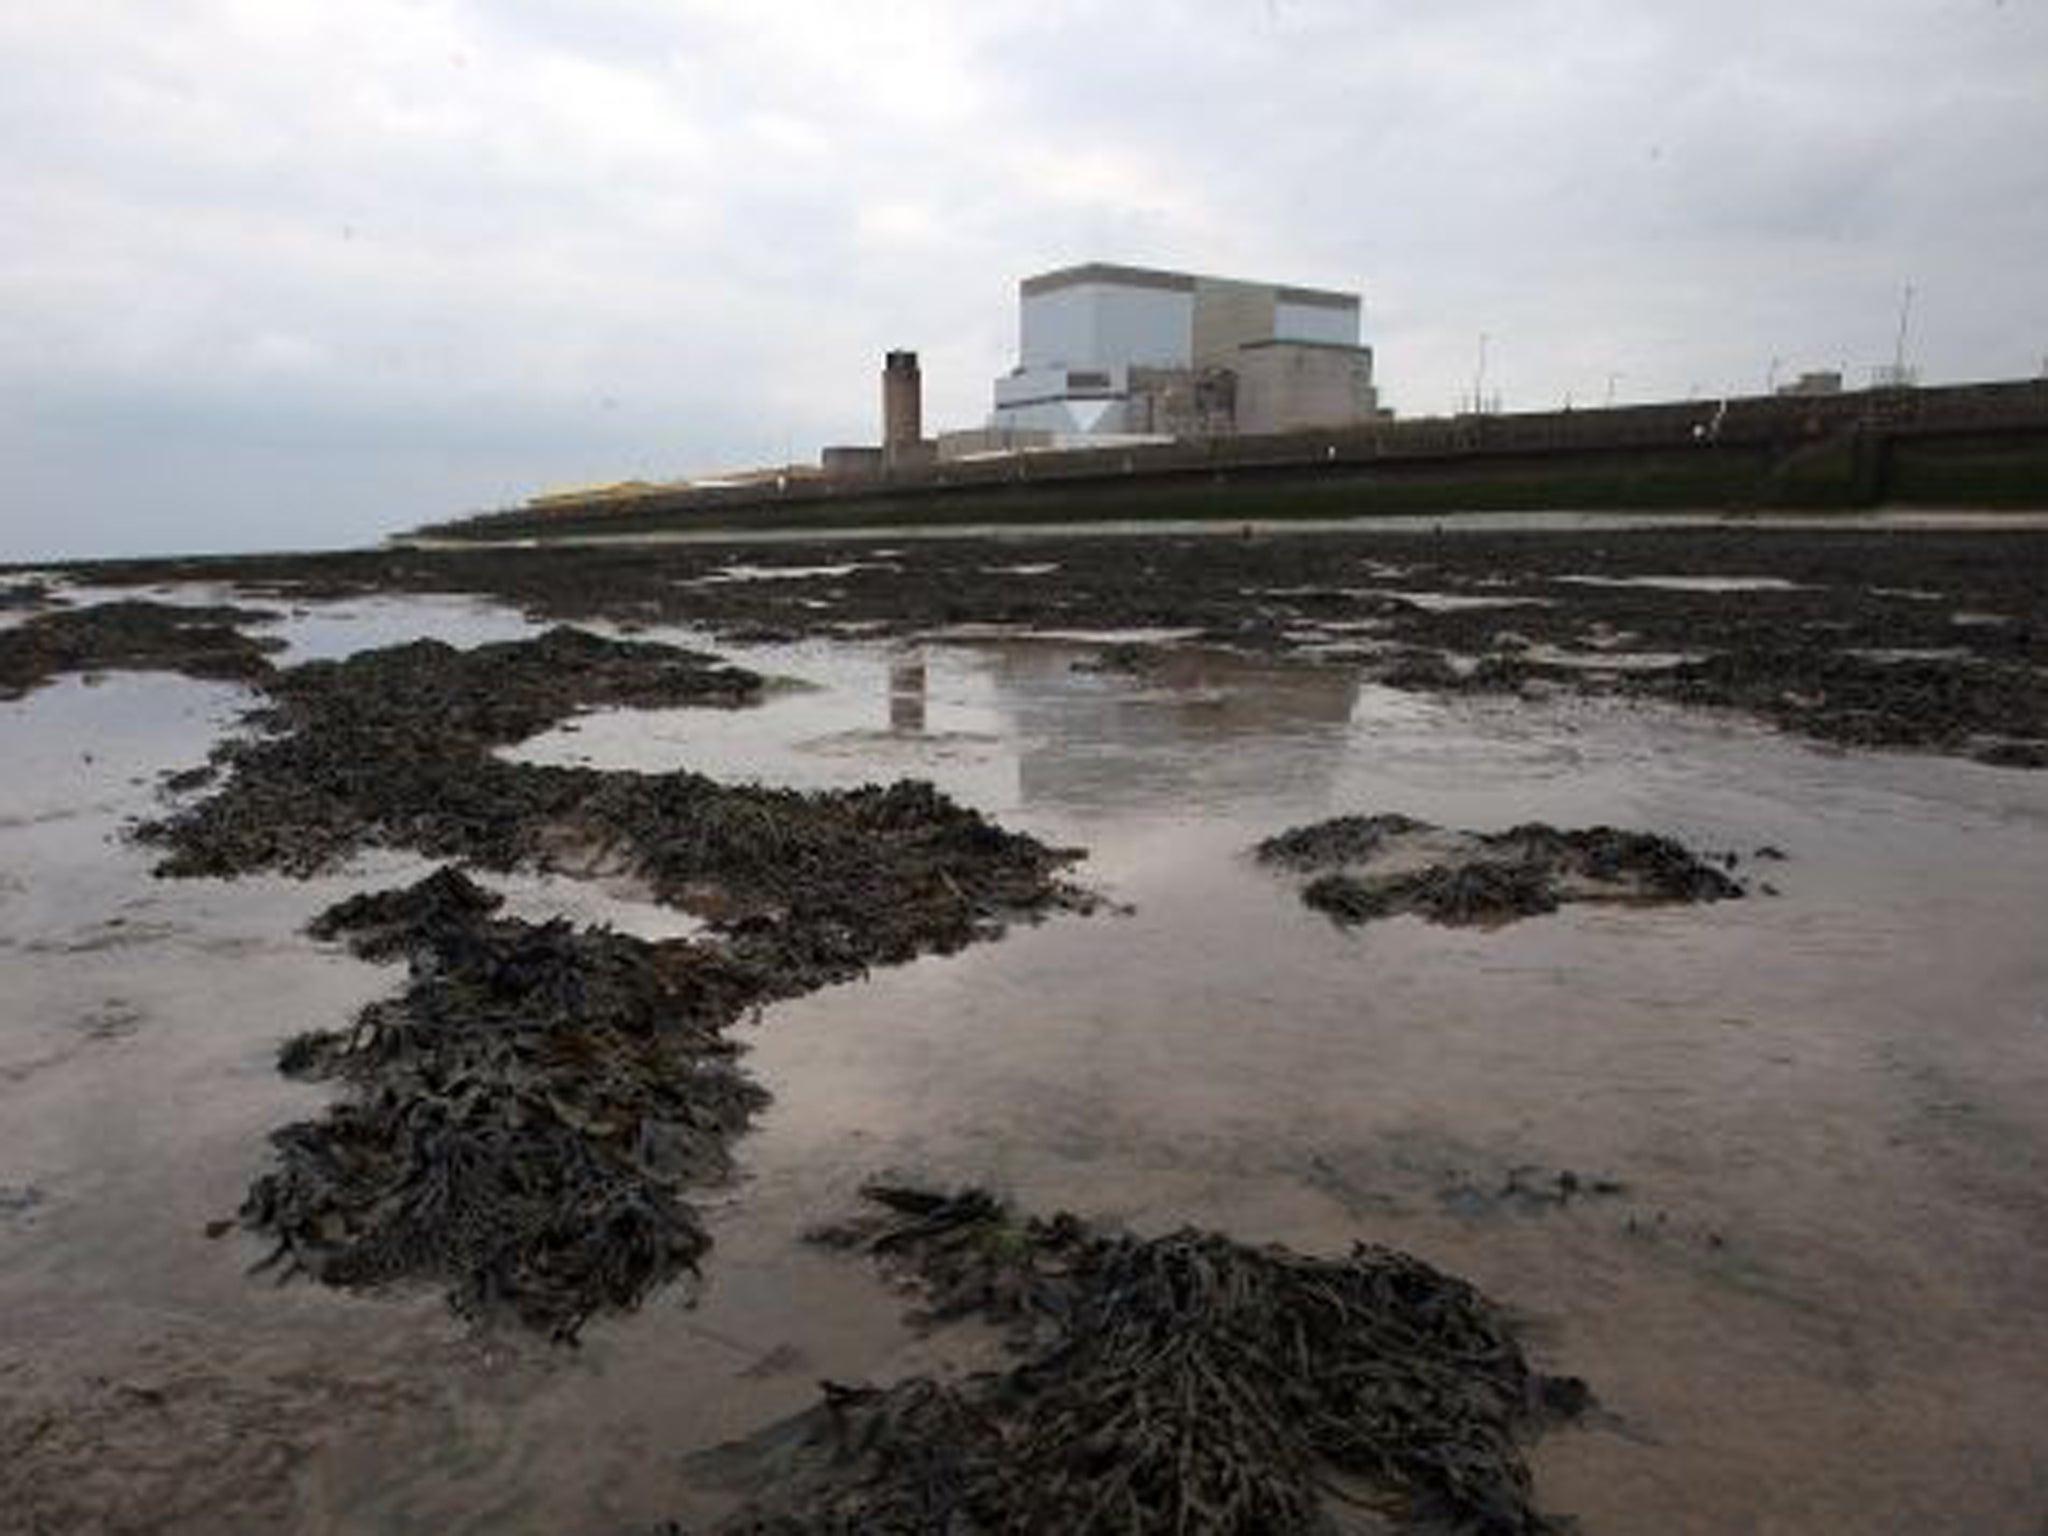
[(1689, 583), (1453, 602), (1815, 1298)]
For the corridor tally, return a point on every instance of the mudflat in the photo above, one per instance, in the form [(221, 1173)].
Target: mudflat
[(617, 916), (1918, 637)]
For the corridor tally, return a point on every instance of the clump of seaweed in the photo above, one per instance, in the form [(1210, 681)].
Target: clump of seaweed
[(1183, 1383), (380, 924), (135, 635), (1798, 655), (523, 1118), (393, 748), (1340, 840), (1370, 867), (1967, 705), (1645, 865), (524, 1114), (1455, 895), (491, 695), (28, 596)]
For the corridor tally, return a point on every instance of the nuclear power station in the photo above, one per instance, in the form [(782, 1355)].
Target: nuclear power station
[(1116, 351), (1111, 355), (1175, 380)]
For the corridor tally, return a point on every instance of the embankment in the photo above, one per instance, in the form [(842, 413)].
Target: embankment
[(1983, 445)]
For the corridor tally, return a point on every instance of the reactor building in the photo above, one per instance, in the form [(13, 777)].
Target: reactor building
[(1111, 354), (1110, 351)]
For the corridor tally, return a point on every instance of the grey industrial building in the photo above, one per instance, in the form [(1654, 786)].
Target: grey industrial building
[(1112, 354), (1107, 351)]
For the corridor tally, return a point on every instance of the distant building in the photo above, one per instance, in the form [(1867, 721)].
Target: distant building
[(574, 498), (852, 461), (1108, 351), (903, 411), (991, 442), (903, 445), (1826, 381)]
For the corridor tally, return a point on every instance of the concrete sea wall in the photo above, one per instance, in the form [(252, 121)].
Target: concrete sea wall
[(1968, 445)]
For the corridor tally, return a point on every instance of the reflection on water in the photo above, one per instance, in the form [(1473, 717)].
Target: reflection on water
[(1819, 1300), (907, 693), (1019, 725), (1175, 733), (328, 631)]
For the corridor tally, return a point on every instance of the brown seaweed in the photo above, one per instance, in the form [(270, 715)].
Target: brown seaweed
[(134, 635), (393, 748), (1485, 878), (1933, 640), (1182, 1383), (522, 1120)]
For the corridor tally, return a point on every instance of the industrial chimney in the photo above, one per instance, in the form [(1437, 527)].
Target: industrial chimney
[(902, 408)]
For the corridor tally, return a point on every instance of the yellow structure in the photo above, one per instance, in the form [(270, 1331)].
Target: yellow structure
[(583, 495)]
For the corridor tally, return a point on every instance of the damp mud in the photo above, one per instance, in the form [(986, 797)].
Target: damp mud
[(1765, 1174), (1369, 867)]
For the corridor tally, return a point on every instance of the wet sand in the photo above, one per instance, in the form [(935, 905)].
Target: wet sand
[(1815, 1303)]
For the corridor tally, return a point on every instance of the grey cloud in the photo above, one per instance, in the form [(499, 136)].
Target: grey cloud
[(401, 253)]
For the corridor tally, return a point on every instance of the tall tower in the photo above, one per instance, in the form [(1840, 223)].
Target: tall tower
[(902, 407)]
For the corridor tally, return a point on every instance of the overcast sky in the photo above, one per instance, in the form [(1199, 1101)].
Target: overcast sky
[(279, 273)]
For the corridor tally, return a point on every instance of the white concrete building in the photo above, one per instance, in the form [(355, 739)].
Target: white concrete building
[(1083, 330)]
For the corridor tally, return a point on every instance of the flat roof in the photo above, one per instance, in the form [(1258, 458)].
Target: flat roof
[(1301, 341), (1174, 282)]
